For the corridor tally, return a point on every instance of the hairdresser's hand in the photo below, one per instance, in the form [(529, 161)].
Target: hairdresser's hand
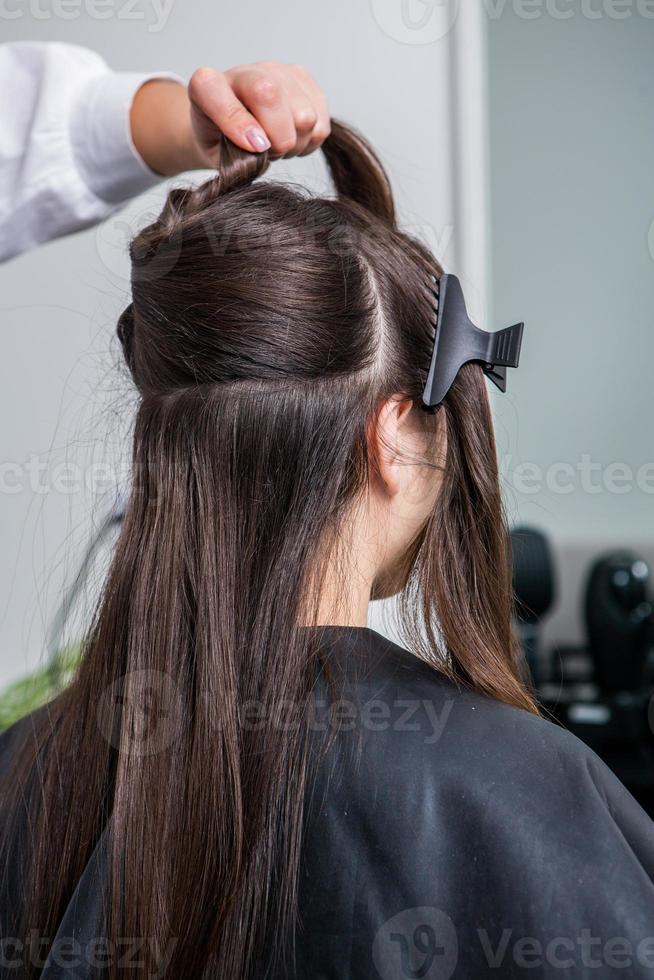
[(260, 106)]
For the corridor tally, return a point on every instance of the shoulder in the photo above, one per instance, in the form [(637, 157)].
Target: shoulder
[(424, 761), (496, 824), (380, 680), (410, 725)]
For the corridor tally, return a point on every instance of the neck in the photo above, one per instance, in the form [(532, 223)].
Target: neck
[(336, 609), (347, 573), (344, 593)]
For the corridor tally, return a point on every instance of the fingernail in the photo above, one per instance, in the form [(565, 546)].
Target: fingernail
[(257, 139)]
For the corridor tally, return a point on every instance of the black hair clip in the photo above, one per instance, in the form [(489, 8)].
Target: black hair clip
[(457, 341)]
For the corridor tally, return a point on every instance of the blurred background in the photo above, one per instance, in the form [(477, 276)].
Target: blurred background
[(519, 137)]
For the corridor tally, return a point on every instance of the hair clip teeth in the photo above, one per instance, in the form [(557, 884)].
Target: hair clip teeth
[(457, 341)]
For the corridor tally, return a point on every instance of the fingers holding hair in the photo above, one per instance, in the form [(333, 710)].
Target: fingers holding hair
[(258, 107)]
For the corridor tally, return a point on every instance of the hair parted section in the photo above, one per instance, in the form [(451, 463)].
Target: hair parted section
[(267, 326)]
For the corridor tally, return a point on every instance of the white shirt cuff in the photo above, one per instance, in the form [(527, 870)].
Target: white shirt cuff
[(101, 138)]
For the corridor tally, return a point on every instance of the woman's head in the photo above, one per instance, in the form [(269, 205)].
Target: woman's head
[(283, 472), (305, 322)]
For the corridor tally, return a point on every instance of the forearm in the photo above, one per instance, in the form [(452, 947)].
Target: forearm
[(67, 157), (160, 121)]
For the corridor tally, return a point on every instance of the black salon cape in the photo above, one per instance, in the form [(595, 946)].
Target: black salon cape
[(447, 836)]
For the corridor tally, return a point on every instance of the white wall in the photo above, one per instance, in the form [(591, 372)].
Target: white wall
[(62, 395), (572, 251)]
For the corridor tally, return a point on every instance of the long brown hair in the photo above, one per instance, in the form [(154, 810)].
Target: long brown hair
[(266, 328)]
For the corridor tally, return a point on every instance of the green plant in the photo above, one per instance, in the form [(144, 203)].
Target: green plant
[(31, 692)]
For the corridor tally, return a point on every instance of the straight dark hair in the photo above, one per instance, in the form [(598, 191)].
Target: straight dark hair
[(266, 329)]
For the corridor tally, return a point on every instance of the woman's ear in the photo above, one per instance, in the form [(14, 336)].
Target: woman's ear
[(388, 444)]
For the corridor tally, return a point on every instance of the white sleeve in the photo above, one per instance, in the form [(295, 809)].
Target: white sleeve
[(67, 159)]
